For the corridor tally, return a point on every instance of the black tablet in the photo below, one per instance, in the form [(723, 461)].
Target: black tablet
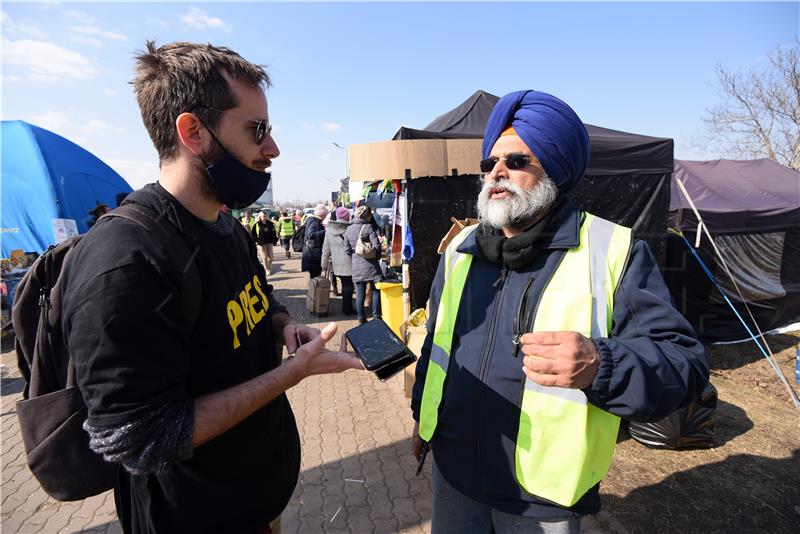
[(380, 349)]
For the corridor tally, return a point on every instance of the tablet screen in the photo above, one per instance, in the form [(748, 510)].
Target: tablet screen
[(375, 343)]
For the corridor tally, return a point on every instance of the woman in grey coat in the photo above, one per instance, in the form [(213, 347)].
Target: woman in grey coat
[(364, 270), (334, 248)]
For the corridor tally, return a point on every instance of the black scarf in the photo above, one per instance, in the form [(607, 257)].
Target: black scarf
[(515, 252)]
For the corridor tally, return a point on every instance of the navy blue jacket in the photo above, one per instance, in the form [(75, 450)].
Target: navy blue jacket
[(312, 247), (650, 365)]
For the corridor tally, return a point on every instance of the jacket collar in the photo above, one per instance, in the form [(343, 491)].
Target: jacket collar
[(566, 236)]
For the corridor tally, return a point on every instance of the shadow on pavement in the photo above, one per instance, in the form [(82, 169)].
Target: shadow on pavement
[(374, 491)]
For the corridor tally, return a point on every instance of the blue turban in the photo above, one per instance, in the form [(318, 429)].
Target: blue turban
[(550, 128)]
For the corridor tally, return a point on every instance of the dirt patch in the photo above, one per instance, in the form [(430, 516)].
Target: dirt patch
[(748, 482)]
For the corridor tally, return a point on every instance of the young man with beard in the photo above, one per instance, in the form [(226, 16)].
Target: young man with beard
[(190, 400), (547, 326)]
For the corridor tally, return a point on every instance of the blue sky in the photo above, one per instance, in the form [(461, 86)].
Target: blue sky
[(351, 73)]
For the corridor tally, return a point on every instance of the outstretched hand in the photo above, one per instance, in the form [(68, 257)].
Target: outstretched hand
[(314, 358)]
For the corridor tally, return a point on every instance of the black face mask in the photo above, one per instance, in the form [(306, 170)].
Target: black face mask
[(237, 185)]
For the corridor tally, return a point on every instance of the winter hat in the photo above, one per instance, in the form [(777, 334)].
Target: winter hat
[(342, 214)]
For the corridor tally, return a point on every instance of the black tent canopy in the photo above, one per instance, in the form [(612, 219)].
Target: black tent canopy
[(627, 181), (465, 121), (752, 208)]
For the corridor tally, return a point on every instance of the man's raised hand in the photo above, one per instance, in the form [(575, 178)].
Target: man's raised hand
[(562, 359)]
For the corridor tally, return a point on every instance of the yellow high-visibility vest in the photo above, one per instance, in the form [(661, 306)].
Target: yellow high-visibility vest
[(286, 228), (564, 444)]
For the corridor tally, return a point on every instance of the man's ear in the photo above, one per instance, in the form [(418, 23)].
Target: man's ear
[(191, 133)]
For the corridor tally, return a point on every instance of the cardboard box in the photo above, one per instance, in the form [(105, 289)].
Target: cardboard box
[(423, 157), (414, 336), (458, 225)]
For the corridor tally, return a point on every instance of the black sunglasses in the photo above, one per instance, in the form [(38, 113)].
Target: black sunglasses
[(262, 126), (513, 162)]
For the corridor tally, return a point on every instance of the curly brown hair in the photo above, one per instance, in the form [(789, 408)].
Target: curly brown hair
[(179, 77)]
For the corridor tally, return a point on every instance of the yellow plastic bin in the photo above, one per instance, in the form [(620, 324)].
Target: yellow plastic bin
[(392, 304)]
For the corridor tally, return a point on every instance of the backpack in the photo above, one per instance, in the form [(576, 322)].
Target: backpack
[(51, 412), (299, 238), (365, 248)]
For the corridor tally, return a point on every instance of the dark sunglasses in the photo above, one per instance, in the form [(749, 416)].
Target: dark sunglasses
[(513, 162), (262, 126)]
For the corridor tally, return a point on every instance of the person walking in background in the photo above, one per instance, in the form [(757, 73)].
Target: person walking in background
[(311, 260), (333, 249), (366, 270), (285, 232), (247, 220), (264, 235)]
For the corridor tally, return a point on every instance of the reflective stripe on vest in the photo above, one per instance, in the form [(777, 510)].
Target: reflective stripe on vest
[(455, 275), (564, 444)]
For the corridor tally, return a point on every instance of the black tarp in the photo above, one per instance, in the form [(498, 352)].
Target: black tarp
[(627, 181), (431, 203), (752, 208), (466, 121)]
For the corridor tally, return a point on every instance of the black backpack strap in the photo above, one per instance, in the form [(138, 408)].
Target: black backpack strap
[(184, 255)]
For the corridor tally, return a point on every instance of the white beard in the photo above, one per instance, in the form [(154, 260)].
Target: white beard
[(518, 209)]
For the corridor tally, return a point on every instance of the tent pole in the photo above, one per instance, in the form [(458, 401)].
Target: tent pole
[(406, 276), (704, 228)]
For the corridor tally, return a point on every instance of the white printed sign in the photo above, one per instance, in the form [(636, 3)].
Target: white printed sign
[(63, 229)]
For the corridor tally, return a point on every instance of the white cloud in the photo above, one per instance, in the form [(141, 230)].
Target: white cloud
[(325, 155), (136, 173), (308, 125), (79, 17), (331, 126), (80, 31), (94, 125), (86, 30), (11, 79), (46, 61), (113, 36), (199, 19), (110, 92), (12, 28), (50, 120), (91, 41), (157, 22)]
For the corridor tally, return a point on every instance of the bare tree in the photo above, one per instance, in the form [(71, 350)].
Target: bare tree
[(760, 115)]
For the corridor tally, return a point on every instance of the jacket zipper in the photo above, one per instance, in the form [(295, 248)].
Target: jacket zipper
[(519, 319), (484, 364)]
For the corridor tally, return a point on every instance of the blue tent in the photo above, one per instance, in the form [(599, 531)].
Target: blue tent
[(46, 177)]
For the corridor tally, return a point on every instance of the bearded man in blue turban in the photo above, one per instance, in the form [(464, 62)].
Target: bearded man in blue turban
[(548, 325)]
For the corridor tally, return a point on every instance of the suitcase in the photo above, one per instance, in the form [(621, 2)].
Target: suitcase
[(319, 295)]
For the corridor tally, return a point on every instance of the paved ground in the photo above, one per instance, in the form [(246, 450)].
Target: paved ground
[(357, 471)]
